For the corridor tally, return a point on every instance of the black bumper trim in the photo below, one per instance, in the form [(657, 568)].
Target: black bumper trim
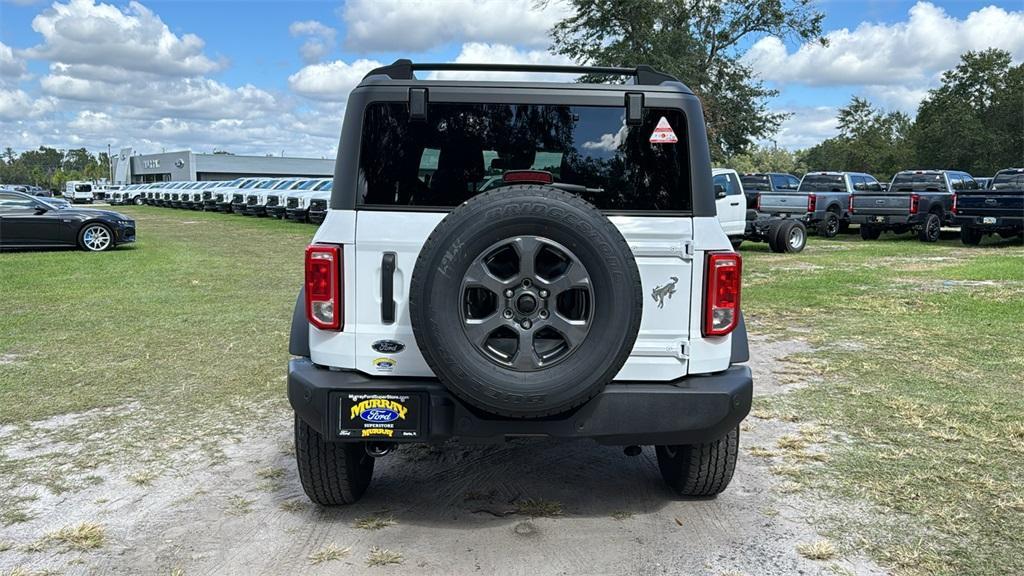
[(686, 411)]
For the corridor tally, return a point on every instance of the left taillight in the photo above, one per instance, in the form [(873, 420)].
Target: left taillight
[(722, 293), (324, 307)]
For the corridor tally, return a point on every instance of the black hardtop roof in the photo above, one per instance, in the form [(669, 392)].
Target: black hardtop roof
[(643, 75)]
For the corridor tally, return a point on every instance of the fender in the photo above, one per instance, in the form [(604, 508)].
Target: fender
[(740, 349), (298, 341)]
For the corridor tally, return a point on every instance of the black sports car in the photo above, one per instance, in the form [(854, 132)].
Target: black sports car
[(29, 222)]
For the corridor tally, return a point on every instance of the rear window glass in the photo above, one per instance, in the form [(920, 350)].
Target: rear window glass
[(751, 182), (918, 182), (464, 149), (822, 183), (1008, 181)]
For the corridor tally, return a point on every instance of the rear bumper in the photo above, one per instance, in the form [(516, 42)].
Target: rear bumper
[(805, 217), (888, 219), (1001, 222), (690, 410)]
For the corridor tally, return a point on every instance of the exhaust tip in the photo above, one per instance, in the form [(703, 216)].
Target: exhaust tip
[(632, 450)]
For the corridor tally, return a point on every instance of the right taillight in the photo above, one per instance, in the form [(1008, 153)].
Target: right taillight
[(851, 204), (953, 209), (722, 293), (915, 203), (324, 308), (812, 202), (757, 203)]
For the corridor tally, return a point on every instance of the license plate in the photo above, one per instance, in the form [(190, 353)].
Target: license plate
[(380, 416), (988, 220), (879, 218)]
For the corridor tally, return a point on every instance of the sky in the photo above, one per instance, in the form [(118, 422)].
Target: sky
[(272, 77)]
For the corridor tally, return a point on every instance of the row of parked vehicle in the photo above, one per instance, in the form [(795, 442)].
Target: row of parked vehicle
[(296, 198), (917, 201)]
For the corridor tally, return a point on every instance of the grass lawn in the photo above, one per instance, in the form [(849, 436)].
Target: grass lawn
[(920, 352), (180, 341)]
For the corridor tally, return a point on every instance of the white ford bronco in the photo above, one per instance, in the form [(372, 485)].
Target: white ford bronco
[(588, 292)]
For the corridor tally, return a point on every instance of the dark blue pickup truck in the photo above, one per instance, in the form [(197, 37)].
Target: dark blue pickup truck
[(998, 209)]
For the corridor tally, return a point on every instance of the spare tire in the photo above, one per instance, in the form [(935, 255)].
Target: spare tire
[(525, 301)]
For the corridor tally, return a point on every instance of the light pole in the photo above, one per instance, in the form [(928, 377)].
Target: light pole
[(110, 166)]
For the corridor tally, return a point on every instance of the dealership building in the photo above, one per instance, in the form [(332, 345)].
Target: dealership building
[(131, 168)]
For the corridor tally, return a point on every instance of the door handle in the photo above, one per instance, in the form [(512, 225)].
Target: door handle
[(734, 203), (387, 288)]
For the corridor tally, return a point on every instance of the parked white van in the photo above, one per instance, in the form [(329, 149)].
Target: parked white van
[(77, 191)]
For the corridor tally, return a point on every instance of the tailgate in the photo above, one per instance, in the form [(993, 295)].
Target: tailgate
[(881, 204), (784, 203), (1005, 203)]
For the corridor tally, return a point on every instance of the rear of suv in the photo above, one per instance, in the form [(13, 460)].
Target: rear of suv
[(508, 259)]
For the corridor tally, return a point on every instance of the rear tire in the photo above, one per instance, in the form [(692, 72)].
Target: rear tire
[(700, 470), (793, 237), (932, 228), (773, 235), (829, 226), (331, 473), (970, 236), (869, 232)]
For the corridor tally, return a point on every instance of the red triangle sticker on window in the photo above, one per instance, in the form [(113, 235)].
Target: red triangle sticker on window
[(663, 133)]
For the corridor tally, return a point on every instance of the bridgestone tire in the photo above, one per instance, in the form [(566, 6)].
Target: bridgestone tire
[(869, 232), (331, 473), (435, 300), (970, 236), (932, 228), (700, 470)]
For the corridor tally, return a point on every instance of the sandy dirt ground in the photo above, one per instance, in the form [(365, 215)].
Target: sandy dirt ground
[(450, 510)]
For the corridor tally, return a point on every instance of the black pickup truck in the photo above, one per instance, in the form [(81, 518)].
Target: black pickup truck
[(755, 183), (996, 210), (917, 200)]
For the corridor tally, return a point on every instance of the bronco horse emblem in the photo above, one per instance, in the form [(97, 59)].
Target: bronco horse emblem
[(660, 292)]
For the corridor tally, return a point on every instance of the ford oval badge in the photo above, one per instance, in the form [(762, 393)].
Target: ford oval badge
[(388, 346), (379, 415)]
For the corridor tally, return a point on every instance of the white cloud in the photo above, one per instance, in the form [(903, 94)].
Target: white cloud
[(18, 105), (330, 81), (12, 68), (102, 35), (608, 142), (806, 127), (903, 53), (320, 39), (481, 53), (120, 76), (414, 25)]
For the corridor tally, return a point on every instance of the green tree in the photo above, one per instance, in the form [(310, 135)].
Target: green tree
[(870, 140), (974, 121), (700, 43), (767, 159)]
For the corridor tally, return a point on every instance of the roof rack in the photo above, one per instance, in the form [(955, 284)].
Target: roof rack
[(403, 69)]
